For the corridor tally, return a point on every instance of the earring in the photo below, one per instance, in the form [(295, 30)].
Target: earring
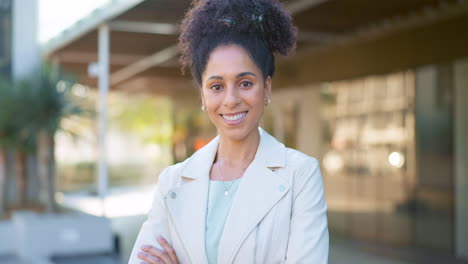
[(267, 101), (203, 108)]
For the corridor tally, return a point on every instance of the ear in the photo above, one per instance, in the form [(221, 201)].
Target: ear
[(268, 87)]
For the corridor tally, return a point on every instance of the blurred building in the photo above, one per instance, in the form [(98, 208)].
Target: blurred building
[(377, 91), (19, 50), (5, 32)]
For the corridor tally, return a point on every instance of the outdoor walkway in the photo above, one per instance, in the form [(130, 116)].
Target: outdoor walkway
[(343, 251)]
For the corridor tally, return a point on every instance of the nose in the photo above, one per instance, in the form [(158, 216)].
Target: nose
[(231, 98)]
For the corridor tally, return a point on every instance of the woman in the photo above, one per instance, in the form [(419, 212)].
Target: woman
[(244, 197)]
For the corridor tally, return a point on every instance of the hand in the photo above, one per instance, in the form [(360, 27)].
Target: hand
[(153, 255)]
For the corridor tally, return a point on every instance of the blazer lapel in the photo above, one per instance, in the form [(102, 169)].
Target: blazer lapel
[(259, 190)]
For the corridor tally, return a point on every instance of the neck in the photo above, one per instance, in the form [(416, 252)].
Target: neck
[(237, 153)]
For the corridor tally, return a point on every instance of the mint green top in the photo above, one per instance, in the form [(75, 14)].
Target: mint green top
[(217, 212)]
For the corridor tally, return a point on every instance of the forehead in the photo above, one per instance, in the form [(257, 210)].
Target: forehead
[(229, 59)]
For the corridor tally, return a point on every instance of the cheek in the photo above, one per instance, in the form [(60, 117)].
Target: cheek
[(211, 99), (213, 104), (255, 97)]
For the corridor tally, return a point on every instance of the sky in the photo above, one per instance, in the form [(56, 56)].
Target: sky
[(57, 15)]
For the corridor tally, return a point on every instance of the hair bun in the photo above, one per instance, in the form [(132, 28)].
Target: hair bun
[(254, 19), (266, 17)]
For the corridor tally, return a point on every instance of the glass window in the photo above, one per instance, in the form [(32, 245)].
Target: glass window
[(382, 184)]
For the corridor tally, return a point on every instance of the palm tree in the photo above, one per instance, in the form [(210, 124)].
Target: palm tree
[(31, 112), (14, 135), (50, 102)]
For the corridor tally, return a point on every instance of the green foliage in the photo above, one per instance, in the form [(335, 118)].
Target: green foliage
[(49, 92), (38, 102), (7, 113), (149, 118)]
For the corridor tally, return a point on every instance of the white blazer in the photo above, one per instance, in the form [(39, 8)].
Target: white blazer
[(278, 214)]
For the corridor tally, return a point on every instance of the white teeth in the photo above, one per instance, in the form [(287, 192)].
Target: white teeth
[(234, 117)]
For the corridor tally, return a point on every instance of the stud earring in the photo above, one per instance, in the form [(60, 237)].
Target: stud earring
[(203, 108)]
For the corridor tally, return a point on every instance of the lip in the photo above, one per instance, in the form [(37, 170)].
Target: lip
[(235, 122)]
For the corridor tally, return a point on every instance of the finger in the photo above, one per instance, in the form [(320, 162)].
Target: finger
[(161, 254), (149, 258), (169, 249)]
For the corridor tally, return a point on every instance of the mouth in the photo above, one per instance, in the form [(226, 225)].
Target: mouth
[(234, 118)]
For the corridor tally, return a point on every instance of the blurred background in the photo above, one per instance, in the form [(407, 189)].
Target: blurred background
[(93, 106)]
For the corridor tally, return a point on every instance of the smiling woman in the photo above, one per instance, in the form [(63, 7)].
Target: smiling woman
[(244, 197), (234, 93)]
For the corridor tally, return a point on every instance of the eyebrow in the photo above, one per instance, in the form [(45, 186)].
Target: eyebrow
[(242, 74)]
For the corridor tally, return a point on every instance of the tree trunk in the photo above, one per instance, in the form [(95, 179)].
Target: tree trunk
[(32, 182), (21, 176), (52, 172), (46, 166), (10, 180)]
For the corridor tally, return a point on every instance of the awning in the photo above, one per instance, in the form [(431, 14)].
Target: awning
[(143, 35)]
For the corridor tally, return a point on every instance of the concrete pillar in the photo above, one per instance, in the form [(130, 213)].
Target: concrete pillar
[(434, 161), (25, 46), (104, 53), (461, 157)]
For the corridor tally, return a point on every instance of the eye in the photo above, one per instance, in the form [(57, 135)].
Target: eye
[(246, 84), (216, 87)]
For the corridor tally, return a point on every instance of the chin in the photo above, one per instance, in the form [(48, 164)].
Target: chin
[(237, 134)]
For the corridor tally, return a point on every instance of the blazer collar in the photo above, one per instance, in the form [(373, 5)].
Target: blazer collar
[(271, 153), (259, 189)]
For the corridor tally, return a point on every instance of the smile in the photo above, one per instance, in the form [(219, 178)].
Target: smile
[(234, 118)]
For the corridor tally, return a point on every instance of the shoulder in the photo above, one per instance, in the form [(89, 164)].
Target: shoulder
[(293, 165), (170, 176), (302, 169), (299, 161)]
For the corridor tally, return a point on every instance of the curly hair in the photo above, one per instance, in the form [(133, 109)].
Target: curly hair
[(262, 27)]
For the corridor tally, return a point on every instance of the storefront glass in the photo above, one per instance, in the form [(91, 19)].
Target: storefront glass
[(375, 164)]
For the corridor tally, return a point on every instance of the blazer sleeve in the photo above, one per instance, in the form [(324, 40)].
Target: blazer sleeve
[(155, 224), (308, 238)]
